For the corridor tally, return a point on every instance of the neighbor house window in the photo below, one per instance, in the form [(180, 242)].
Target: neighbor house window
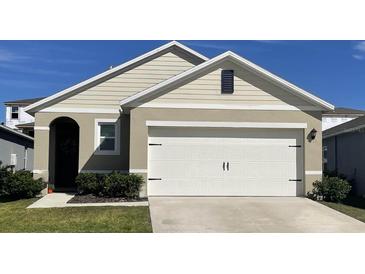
[(325, 155), (106, 136), (15, 113), (227, 81)]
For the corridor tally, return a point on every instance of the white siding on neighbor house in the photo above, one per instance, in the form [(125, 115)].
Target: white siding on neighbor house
[(249, 90), (23, 117), (332, 121), (109, 93)]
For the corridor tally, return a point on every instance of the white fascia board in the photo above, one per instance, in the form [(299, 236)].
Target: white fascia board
[(13, 131), (32, 107), (224, 124), (238, 60), (193, 52)]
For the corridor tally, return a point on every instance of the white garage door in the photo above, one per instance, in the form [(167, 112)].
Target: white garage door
[(225, 162)]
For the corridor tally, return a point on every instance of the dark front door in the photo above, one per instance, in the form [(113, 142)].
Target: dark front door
[(67, 154)]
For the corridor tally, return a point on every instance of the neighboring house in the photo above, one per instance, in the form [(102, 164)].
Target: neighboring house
[(344, 152), (15, 115), (339, 116), (16, 149), (190, 125)]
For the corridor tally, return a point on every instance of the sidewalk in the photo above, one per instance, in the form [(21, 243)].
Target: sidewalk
[(61, 199)]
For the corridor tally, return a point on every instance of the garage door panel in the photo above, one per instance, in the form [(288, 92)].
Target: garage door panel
[(193, 162)]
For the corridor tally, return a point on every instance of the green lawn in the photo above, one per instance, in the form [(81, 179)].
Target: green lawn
[(15, 217), (352, 206)]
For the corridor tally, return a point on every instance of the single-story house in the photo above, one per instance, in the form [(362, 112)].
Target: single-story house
[(16, 149), (192, 126), (344, 152), (339, 116)]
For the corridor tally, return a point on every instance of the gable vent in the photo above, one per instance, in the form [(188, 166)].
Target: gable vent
[(227, 79)]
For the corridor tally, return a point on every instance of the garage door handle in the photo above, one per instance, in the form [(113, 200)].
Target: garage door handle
[(224, 166), (228, 166)]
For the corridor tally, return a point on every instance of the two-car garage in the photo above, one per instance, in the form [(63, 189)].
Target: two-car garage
[(225, 159)]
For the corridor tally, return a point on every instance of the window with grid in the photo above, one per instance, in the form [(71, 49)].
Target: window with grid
[(107, 136), (15, 112)]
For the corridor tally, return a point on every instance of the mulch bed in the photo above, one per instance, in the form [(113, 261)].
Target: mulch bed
[(83, 199)]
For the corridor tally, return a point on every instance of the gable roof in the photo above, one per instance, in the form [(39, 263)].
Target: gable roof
[(15, 132), (349, 126), (345, 111), (23, 101), (145, 95), (113, 71)]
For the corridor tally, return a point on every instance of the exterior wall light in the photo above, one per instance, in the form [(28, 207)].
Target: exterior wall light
[(312, 134)]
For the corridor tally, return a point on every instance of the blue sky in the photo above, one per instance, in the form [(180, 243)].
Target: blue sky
[(332, 70)]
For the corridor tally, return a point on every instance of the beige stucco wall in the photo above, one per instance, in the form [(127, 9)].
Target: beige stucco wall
[(139, 130), (87, 159), (134, 156)]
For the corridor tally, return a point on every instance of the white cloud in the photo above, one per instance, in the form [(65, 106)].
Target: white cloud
[(358, 56), (360, 46), (9, 56), (208, 45), (270, 41), (32, 70)]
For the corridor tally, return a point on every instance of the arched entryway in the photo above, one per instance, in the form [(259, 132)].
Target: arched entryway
[(64, 153)]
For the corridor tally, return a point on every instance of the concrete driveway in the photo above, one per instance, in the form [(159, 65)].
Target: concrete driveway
[(247, 214)]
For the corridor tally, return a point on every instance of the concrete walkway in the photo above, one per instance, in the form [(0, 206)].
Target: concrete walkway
[(61, 199), (247, 214)]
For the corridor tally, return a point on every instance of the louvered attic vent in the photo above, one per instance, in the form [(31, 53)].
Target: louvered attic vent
[(227, 79)]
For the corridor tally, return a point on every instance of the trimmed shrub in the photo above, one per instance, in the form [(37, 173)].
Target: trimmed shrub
[(330, 189), (134, 184), (88, 183), (20, 184), (5, 172), (114, 185)]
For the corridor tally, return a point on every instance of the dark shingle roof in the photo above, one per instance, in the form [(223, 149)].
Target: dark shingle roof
[(343, 111), (15, 132), (24, 101), (25, 125), (349, 126)]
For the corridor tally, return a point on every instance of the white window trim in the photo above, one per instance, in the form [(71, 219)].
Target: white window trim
[(116, 150)]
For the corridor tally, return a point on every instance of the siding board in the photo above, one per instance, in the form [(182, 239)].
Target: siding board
[(109, 93), (249, 89)]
